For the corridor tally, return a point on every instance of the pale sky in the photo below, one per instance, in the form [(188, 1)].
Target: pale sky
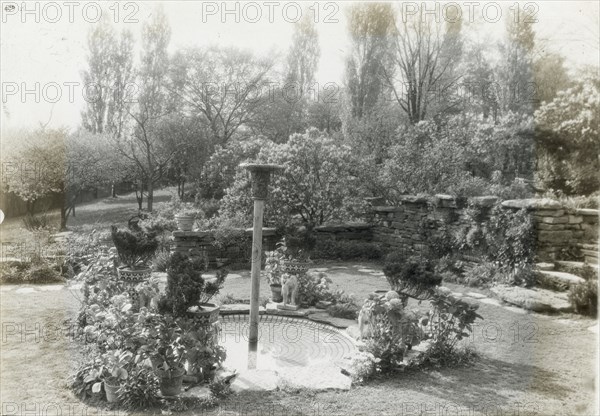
[(48, 56)]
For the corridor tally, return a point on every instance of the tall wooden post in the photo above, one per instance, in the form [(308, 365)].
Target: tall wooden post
[(261, 174)]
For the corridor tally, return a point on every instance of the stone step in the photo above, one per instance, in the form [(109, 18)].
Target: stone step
[(575, 267), (534, 299), (590, 252), (590, 256), (545, 266), (557, 281)]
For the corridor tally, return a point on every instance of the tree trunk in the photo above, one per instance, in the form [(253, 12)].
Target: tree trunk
[(30, 207), (139, 195), (63, 218), (150, 197)]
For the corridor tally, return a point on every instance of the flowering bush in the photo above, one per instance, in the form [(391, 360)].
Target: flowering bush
[(313, 287), (393, 330), (362, 366), (449, 321), (318, 184)]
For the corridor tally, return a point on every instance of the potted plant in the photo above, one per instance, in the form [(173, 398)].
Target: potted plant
[(134, 250), (274, 269), (206, 312), (294, 259), (203, 351), (168, 355), (187, 292), (113, 373), (186, 218)]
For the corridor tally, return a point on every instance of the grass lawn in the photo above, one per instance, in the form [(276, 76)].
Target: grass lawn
[(545, 368), (99, 214), (528, 364)]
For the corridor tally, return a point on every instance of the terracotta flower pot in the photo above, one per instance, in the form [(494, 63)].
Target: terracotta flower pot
[(111, 389), (184, 222), (276, 295), (170, 383)]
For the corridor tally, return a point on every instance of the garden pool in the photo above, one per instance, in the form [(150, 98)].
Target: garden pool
[(283, 342)]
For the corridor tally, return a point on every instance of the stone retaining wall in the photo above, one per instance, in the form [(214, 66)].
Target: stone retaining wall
[(560, 231), (200, 244), (361, 231)]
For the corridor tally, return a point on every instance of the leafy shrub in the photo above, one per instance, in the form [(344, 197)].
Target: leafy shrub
[(139, 390), (510, 238), (588, 272), (313, 287), (135, 248), (344, 305), (229, 299), (157, 222), (393, 331), (227, 237), (584, 297), (112, 323), (161, 261), (299, 240), (43, 273), (38, 222), (505, 241), (210, 207), (331, 249), (523, 275), (162, 218), (219, 389), (363, 366), (37, 271), (343, 310), (449, 321), (482, 275), (317, 186), (184, 284), (82, 248), (412, 276)]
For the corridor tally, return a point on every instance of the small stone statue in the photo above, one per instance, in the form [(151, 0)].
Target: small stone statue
[(290, 290)]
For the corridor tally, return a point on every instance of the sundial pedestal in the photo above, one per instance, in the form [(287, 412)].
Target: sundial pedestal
[(260, 176)]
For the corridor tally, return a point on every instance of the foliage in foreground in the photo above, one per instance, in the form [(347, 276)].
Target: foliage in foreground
[(584, 297), (393, 331), (131, 344)]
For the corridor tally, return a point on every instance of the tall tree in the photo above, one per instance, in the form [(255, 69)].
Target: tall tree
[(108, 79), (515, 72), (143, 146), (478, 82), (370, 27), (550, 77), (426, 54), (303, 56), (226, 86), (63, 165)]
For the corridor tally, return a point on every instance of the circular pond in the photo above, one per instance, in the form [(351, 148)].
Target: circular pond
[(283, 342)]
